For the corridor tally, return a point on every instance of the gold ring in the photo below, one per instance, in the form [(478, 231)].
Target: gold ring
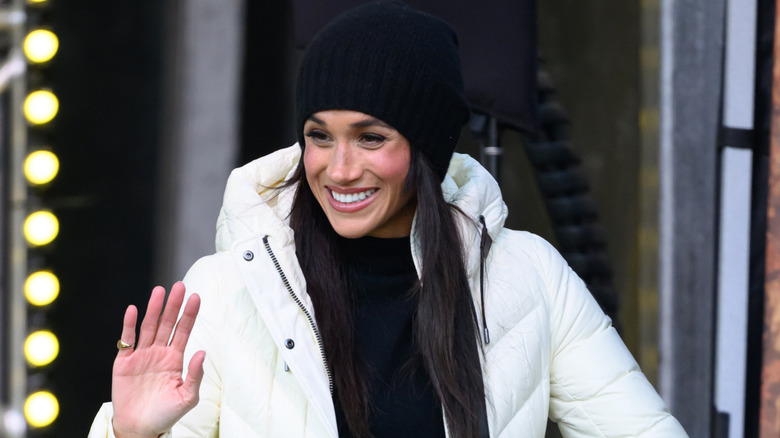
[(122, 345)]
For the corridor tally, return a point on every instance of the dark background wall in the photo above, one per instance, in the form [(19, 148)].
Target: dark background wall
[(591, 50), (106, 76)]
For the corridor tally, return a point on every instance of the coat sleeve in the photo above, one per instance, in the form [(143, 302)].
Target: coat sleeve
[(203, 420), (596, 387)]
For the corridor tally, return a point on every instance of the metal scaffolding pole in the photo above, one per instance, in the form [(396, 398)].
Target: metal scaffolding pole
[(691, 64), (13, 85), (202, 86)]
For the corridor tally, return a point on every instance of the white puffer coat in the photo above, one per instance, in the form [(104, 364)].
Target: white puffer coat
[(552, 351)]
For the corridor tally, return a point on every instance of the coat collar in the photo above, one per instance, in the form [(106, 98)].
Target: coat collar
[(252, 205)]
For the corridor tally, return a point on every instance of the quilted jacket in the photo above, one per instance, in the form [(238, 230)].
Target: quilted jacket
[(552, 351)]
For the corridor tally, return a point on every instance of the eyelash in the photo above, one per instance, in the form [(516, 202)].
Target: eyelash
[(371, 138), (316, 135)]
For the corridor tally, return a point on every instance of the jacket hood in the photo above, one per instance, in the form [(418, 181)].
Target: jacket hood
[(253, 205)]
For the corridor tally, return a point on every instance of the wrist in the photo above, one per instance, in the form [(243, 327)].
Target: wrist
[(125, 434)]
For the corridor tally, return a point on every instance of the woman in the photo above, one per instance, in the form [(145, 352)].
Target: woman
[(350, 271)]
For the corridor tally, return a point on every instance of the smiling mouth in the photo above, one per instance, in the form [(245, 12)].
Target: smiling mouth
[(352, 197)]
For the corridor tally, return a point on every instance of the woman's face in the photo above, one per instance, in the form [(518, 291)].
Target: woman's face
[(356, 166)]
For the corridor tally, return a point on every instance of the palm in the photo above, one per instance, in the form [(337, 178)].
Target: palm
[(148, 392)]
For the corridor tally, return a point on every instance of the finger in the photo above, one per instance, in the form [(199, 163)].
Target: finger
[(149, 324), (191, 384), (128, 329), (184, 328), (171, 312)]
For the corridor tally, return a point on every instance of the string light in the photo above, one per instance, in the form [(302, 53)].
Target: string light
[(41, 106), (41, 167), (41, 348), (41, 288), (41, 227), (40, 45), (41, 409)]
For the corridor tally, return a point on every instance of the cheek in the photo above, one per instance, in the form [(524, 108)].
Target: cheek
[(310, 164), (395, 171), (307, 160)]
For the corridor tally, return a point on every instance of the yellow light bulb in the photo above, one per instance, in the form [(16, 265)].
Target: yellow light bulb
[(41, 45), (41, 409), (41, 288), (40, 107), (41, 167), (41, 348), (41, 228)]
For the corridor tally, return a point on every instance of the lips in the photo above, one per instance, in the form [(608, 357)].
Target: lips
[(355, 200)]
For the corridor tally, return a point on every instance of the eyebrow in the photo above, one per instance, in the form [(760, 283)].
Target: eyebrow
[(371, 121)]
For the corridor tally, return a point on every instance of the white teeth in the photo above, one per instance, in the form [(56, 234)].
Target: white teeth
[(354, 197)]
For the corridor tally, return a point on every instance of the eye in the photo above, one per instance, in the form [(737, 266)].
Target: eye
[(317, 136), (372, 140)]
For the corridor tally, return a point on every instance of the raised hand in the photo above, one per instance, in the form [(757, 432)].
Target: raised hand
[(147, 391)]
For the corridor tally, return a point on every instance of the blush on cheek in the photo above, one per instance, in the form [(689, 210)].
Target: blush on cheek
[(394, 169), (309, 165), (306, 157)]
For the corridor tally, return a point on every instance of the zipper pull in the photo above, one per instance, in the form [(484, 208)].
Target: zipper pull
[(485, 242), (484, 246)]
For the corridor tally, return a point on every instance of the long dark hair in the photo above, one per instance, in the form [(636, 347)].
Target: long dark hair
[(445, 324)]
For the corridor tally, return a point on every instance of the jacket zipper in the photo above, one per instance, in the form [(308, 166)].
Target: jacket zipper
[(303, 308)]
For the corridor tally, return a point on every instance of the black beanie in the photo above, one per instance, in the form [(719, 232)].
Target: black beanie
[(394, 63)]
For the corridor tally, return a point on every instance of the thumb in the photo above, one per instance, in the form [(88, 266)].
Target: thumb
[(191, 384)]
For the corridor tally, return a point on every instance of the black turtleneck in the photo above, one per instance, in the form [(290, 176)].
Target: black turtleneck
[(381, 272)]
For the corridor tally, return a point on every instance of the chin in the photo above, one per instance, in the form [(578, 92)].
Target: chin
[(350, 232)]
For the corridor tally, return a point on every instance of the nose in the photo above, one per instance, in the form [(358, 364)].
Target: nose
[(344, 166)]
